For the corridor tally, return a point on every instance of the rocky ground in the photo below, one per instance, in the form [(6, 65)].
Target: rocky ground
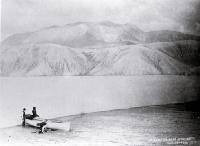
[(176, 124)]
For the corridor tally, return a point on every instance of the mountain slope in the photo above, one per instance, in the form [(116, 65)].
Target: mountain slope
[(79, 35), (187, 51), (42, 59), (103, 48), (53, 59), (168, 36), (135, 60), (85, 34)]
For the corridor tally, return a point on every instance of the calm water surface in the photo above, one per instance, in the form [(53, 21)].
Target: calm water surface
[(177, 124)]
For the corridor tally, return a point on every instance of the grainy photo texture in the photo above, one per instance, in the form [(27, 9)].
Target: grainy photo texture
[(100, 72)]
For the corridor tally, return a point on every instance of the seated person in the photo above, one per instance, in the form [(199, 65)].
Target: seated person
[(34, 114)]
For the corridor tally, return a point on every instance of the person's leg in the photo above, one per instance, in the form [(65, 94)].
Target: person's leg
[(24, 117), (42, 127), (23, 122)]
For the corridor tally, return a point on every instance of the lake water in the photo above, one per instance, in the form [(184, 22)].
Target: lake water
[(69, 95), (175, 124)]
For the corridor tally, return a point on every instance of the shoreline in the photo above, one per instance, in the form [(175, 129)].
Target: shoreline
[(150, 125)]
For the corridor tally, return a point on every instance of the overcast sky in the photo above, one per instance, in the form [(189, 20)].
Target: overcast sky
[(29, 15)]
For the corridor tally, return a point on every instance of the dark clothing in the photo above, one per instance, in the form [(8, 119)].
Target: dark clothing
[(42, 126), (24, 118), (29, 116), (34, 113)]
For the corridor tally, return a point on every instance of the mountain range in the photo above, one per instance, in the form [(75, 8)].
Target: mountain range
[(104, 48)]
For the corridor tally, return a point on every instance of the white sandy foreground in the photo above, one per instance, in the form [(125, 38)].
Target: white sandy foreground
[(154, 125)]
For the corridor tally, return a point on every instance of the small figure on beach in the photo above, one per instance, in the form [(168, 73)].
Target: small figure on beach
[(29, 116), (41, 123), (24, 117), (34, 112)]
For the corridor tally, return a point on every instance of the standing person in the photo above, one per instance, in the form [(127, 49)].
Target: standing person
[(24, 117), (34, 112)]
